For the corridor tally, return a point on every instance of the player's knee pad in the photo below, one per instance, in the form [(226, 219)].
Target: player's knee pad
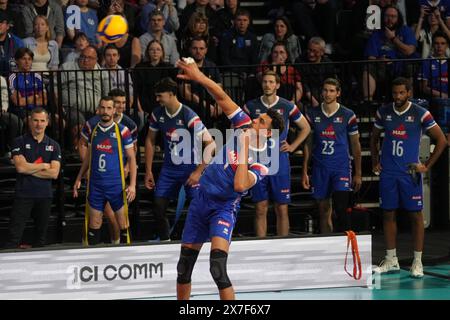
[(218, 268), (188, 257)]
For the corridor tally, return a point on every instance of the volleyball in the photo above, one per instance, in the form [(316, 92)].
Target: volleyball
[(112, 28)]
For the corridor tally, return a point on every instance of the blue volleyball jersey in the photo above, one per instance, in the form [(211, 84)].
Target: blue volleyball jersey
[(185, 118), (105, 165), (130, 124), (218, 179), (331, 136), (403, 131), (286, 109), (27, 84)]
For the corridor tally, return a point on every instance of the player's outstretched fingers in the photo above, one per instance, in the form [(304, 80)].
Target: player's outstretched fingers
[(76, 186)]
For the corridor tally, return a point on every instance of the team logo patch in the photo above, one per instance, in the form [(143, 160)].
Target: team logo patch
[(49, 148), (112, 135), (27, 146), (409, 119), (258, 111), (388, 117), (328, 133), (338, 120), (171, 134), (161, 119), (317, 119), (180, 122), (105, 146), (400, 132), (223, 223)]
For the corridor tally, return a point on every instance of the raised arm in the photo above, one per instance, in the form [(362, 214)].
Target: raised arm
[(193, 73)]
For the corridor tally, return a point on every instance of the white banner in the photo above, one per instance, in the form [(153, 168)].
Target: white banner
[(145, 271)]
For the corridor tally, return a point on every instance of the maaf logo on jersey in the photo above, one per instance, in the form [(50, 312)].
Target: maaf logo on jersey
[(105, 146), (172, 134), (329, 133), (400, 132)]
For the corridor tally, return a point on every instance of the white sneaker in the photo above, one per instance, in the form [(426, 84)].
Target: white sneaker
[(416, 269), (388, 265)]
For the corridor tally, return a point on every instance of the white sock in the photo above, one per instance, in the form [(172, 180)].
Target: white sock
[(418, 255), (391, 253)]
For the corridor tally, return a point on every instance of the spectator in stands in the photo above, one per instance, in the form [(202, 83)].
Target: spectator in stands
[(81, 42), (239, 46), (123, 8), (195, 94), (130, 51), (27, 90), (203, 6), (434, 73), (81, 86), (9, 43), (290, 80), (88, 23), (17, 26), (47, 8), (393, 41), (45, 50), (156, 31), (198, 27), (168, 9), (227, 14), (37, 159), (315, 18), (149, 72), (116, 76), (314, 72), (11, 125), (282, 32), (358, 25), (426, 29), (442, 6)]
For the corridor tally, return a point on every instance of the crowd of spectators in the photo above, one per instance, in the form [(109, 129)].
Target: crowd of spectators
[(301, 42)]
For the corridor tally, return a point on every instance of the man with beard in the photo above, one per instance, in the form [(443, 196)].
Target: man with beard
[(400, 169), (335, 131), (393, 41), (277, 185), (110, 149)]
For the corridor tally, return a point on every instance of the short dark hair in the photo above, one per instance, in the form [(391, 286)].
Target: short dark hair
[(243, 12), (401, 81), (166, 85), (333, 82), (105, 98), (21, 52), (117, 93), (277, 120), (38, 110), (110, 46), (80, 35), (440, 34)]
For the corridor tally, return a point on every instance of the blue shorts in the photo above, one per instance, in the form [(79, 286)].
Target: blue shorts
[(276, 187), (209, 218), (325, 181), (100, 194), (170, 181), (401, 192)]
